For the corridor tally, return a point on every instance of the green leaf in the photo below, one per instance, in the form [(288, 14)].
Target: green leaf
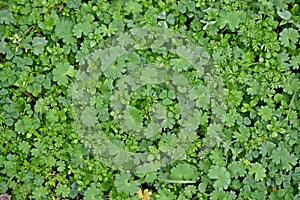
[(291, 85), (179, 64), (92, 193), (39, 43), (40, 193), (61, 73), (123, 184), (253, 88), (166, 194), (221, 175), (230, 18), (133, 7), (22, 63), (202, 186), (243, 134), (73, 3), (258, 170), (24, 147), (202, 96), (171, 94), (190, 190), (284, 158), (50, 20), (89, 117), (289, 37), (6, 17), (181, 8), (77, 155), (23, 125), (237, 169), (267, 148), (295, 62), (85, 27), (38, 180), (135, 115), (52, 116), (218, 195), (284, 14), (183, 171), (5, 49), (60, 166), (62, 190), (63, 30), (114, 71), (265, 112), (171, 19)]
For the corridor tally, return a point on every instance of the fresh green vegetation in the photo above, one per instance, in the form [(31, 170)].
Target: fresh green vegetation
[(254, 46)]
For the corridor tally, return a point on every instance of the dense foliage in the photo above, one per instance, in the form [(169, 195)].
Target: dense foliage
[(254, 45)]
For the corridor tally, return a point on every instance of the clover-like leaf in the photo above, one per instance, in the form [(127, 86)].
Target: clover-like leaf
[(40, 193), (179, 64), (236, 169), (283, 157), (183, 171), (258, 170), (62, 71), (289, 37), (114, 71), (63, 30), (6, 17), (285, 14), (230, 18), (62, 190), (92, 193), (89, 117), (265, 112), (295, 62), (39, 44), (133, 7), (125, 185), (221, 175)]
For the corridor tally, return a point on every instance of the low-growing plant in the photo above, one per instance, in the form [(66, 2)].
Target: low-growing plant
[(253, 47)]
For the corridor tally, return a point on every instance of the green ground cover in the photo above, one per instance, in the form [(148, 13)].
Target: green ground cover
[(253, 47)]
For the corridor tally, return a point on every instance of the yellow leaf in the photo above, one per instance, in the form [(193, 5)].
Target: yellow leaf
[(144, 195)]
